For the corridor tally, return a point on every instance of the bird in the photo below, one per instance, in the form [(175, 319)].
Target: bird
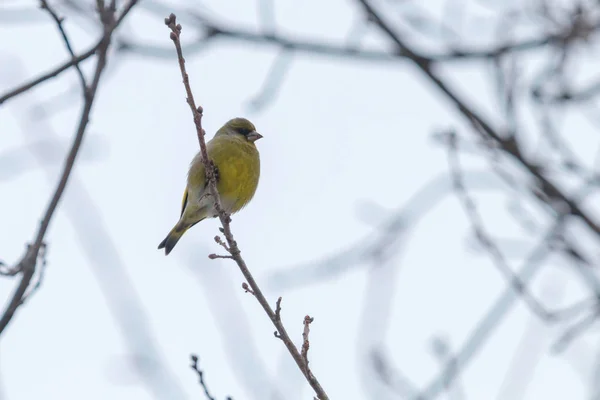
[(237, 170)]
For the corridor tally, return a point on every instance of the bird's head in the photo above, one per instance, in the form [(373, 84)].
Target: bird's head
[(242, 127)]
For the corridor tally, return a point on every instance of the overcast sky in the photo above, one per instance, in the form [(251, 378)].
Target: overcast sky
[(347, 144)]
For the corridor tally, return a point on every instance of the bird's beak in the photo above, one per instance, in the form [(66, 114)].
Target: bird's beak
[(254, 136)]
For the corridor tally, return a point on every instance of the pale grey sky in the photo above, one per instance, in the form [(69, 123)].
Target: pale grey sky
[(340, 134)]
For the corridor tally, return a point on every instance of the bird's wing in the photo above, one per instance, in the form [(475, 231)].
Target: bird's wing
[(184, 202), (195, 183)]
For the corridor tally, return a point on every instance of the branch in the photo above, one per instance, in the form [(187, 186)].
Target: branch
[(49, 75), (212, 30), (442, 351), (45, 6), (28, 263), (68, 64), (305, 343), (484, 238), (576, 329), (508, 144), (225, 219), (389, 375), (105, 263), (579, 95), (200, 374)]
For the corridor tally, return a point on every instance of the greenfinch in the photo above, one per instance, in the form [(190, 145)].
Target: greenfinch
[(237, 162)]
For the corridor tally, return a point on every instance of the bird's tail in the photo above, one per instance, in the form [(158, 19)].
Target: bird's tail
[(173, 237)]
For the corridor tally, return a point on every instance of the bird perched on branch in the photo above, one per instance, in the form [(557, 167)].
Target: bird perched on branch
[(237, 171)]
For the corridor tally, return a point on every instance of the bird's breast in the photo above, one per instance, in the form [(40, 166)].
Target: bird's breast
[(238, 164)]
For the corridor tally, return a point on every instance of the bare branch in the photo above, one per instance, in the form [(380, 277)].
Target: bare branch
[(41, 271), (305, 343), (483, 237), (576, 95), (483, 128), (28, 263), (68, 64), (49, 75), (200, 373), (442, 351), (576, 329), (390, 376), (226, 219), (59, 23), (211, 29)]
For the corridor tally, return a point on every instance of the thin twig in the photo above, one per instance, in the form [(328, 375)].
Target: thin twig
[(209, 29), (200, 373), (305, 343), (576, 329), (49, 75), (27, 265), (508, 145), (477, 223), (68, 64), (214, 256), (392, 377), (225, 218), (572, 95), (442, 351), (105, 263), (59, 23)]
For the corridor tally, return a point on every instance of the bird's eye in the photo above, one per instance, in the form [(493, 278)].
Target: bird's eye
[(244, 131)]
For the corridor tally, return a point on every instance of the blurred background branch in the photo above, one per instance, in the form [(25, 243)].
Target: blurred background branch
[(26, 267), (519, 84)]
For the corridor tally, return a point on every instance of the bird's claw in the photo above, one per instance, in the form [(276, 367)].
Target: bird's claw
[(216, 172)]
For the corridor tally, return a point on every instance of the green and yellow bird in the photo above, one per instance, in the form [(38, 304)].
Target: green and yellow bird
[(236, 158)]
